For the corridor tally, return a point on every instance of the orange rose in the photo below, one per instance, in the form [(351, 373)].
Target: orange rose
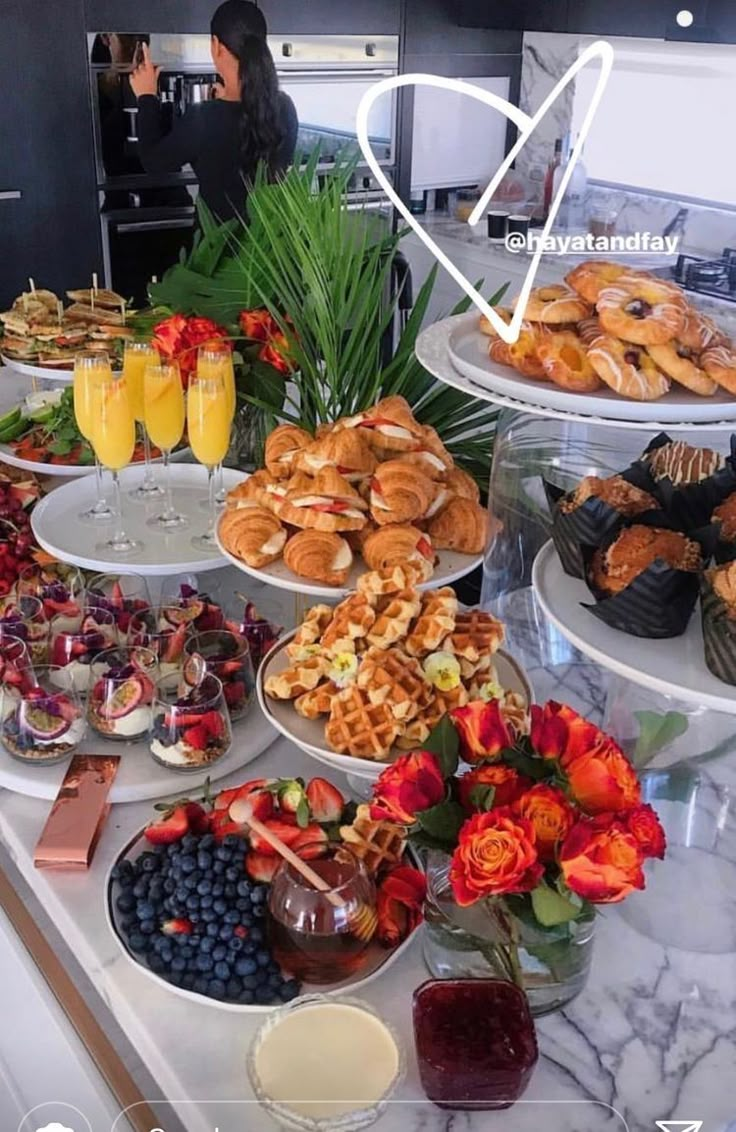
[(603, 779), (495, 855), (644, 825), (507, 783), (601, 861), (258, 325), (483, 730), (550, 813), (411, 784), (274, 357), (558, 732), (399, 901)]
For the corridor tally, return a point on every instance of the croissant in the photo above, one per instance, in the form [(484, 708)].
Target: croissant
[(460, 483), (431, 457), (326, 502), (260, 489), (393, 544), (461, 525), (400, 492), (253, 534), (347, 451), (389, 427), (282, 447), (321, 556)]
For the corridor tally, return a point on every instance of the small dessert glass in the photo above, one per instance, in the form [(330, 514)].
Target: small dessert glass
[(260, 633), (75, 643), (120, 697), (164, 629), (272, 1076), (60, 587), (312, 938), (122, 594), (16, 671), (187, 592), (191, 726), (45, 723), (25, 617), (227, 655)]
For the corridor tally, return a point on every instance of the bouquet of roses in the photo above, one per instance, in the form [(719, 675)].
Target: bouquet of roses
[(262, 332), (178, 338)]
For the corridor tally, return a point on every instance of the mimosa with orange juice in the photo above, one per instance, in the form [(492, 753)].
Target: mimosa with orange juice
[(216, 362), (164, 420), (90, 368), (113, 437), (136, 358), (208, 428)]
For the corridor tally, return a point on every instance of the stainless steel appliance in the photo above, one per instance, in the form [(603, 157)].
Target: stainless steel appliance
[(146, 219)]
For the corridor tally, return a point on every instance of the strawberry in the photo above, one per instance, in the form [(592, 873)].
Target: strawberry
[(197, 737), (333, 508), (424, 547), (170, 828), (220, 825), (310, 842), (289, 834), (182, 719), (173, 646), (197, 817), (117, 597), (213, 723), (226, 797), (177, 927), (260, 868), (234, 693), (325, 800), (230, 667), (291, 795)]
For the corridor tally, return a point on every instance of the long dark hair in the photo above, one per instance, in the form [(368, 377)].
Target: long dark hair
[(241, 27)]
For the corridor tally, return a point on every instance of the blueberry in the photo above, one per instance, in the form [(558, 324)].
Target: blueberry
[(247, 918), (194, 916), (208, 914), (167, 954), (213, 929), (173, 850), (232, 841), (190, 882), (243, 905), (200, 985), (245, 966), (273, 968), (122, 870), (229, 890), (264, 995), (125, 902), (256, 934), (188, 980), (169, 886), (218, 868), (179, 963), (144, 910), (204, 887), (129, 924), (218, 889), (226, 931), (137, 942), (233, 988), (250, 982), (192, 902), (204, 962), (235, 945), (233, 873), (216, 988), (259, 894), (204, 860), (220, 906), (206, 899), (219, 951), (262, 957), (259, 911), (181, 893), (275, 981), (148, 927), (247, 997), (206, 944), (156, 963), (189, 841), (188, 863), (250, 947), (207, 842), (244, 888), (148, 862), (222, 970), (174, 977), (140, 888), (289, 990)]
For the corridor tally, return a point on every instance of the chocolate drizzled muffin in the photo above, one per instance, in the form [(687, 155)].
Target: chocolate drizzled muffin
[(617, 492), (724, 517), (681, 463), (637, 548), (722, 581)]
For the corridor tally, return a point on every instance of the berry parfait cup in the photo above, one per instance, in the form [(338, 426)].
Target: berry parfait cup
[(191, 726), (45, 723), (260, 633), (227, 656), (16, 670), (25, 617), (120, 698), (185, 591), (165, 631), (60, 588), (122, 594), (75, 644)]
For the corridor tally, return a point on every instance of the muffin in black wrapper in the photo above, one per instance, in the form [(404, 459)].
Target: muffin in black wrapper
[(721, 532), (589, 524), (719, 630), (688, 504)]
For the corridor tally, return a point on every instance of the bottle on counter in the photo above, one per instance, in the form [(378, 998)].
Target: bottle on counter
[(549, 176), (572, 210)]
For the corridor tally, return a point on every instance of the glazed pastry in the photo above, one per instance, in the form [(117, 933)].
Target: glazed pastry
[(642, 311), (461, 525), (555, 304), (326, 502), (681, 363), (390, 545), (681, 463), (359, 728), (590, 277), (260, 489), (617, 492), (722, 580), (253, 534), (588, 330), (282, 447), (635, 549), (724, 517), (389, 427), (400, 492), (699, 331), (321, 556), (565, 361), (435, 620), (627, 369), (485, 326), (524, 352), (719, 362), (347, 451), (499, 352), (460, 483)]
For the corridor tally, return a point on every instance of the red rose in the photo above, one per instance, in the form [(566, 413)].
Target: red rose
[(411, 784), (258, 325), (601, 860), (274, 357), (507, 783), (167, 335), (602, 780), (399, 901), (644, 825), (558, 732), (496, 854), (551, 815), (483, 731)]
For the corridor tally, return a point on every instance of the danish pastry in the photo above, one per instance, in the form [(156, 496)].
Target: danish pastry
[(486, 326), (680, 363), (566, 363), (588, 329), (400, 492), (326, 502), (282, 447), (321, 556), (461, 525), (524, 352), (500, 351), (719, 362), (253, 534), (554, 304), (699, 331), (393, 544), (347, 451), (590, 277), (460, 483), (627, 369), (642, 311)]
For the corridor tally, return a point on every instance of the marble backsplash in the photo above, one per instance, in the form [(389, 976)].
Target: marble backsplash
[(545, 59)]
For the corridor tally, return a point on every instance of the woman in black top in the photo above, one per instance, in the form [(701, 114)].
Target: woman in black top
[(249, 121)]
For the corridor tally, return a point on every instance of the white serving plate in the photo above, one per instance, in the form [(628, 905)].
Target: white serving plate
[(43, 373), (309, 734), (59, 530), (522, 395), (72, 471), (674, 666), (379, 958), (140, 778)]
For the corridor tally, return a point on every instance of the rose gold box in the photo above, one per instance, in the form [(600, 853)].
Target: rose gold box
[(73, 827)]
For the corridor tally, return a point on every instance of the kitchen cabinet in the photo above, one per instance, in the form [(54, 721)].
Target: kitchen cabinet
[(293, 17), (514, 15), (48, 223)]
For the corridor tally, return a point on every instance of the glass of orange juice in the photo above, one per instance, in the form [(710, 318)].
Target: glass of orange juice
[(113, 437), (208, 428), (164, 415), (137, 357), (89, 369), (215, 360)]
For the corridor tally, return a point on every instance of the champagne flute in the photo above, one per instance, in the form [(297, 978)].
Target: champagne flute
[(137, 357), (89, 369), (208, 426), (215, 360), (164, 422), (113, 437)]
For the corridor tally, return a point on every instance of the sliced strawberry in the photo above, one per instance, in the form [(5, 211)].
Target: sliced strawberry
[(221, 826), (197, 737), (310, 842), (287, 833), (230, 667), (374, 422), (173, 646), (226, 797), (260, 868), (291, 794), (171, 828), (177, 927), (424, 547), (213, 722), (333, 508), (197, 817), (326, 803), (117, 597)]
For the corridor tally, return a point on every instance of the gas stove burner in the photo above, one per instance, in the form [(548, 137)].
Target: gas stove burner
[(714, 277), (706, 276)]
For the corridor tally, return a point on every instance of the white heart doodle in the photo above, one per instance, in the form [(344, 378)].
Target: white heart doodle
[(526, 126)]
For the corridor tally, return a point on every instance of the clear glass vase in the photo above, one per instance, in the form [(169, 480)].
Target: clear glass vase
[(550, 964)]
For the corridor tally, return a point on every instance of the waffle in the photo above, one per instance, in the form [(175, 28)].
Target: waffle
[(311, 629), (435, 620), (486, 674), (476, 635), (302, 677), (393, 618), (416, 730), (359, 728), (310, 705), (393, 579), (390, 677), (379, 844), (350, 621)]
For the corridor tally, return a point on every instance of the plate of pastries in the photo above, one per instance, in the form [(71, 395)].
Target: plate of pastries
[(610, 341), (356, 684), (41, 335), (366, 492)]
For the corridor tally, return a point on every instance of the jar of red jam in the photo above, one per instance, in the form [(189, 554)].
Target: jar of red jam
[(475, 1041)]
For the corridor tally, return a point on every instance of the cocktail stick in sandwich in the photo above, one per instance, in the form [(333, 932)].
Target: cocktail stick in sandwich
[(100, 297)]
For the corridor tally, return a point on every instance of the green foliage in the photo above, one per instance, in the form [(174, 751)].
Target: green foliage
[(656, 731), (443, 741), (442, 823)]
